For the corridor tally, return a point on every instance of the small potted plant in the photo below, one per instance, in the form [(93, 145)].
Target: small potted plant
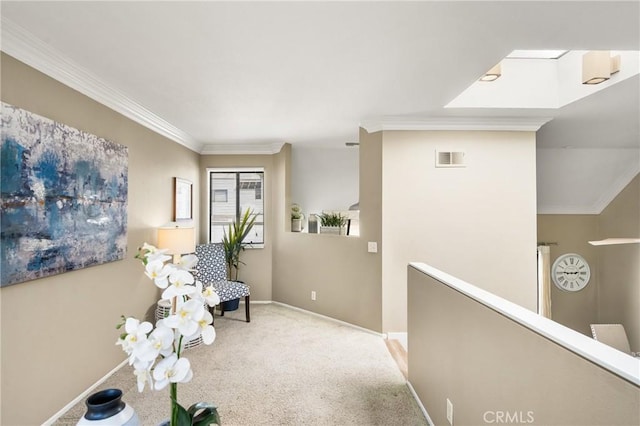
[(332, 223), (296, 218)]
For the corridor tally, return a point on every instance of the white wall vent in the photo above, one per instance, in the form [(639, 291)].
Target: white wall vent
[(450, 159)]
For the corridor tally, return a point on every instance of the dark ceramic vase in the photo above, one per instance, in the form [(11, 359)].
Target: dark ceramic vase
[(107, 408)]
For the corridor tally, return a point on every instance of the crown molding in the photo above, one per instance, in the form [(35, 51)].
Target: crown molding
[(567, 210), (242, 149), (518, 124), (27, 48)]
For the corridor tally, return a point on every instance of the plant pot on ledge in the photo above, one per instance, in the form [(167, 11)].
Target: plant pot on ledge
[(332, 223), (296, 218), (331, 230)]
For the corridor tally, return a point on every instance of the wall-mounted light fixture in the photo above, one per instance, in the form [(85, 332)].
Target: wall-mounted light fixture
[(598, 66), (493, 74)]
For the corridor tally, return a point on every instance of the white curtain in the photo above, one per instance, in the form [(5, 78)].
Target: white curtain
[(544, 281)]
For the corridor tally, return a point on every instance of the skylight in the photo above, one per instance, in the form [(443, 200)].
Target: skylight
[(534, 79), (536, 54)]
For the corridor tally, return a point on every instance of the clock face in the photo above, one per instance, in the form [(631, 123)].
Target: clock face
[(570, 272)]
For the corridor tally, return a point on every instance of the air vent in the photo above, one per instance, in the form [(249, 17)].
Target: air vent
[(450, 159)]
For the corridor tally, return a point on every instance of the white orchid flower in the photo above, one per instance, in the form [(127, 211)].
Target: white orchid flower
[(135, 340), (151, 351), (158, 272), (180, 284), (158, 256), (134, 326), (207, 330), (187, 262), (152, 253), (160, 341), (197, 293), (149, 248), (162, 338), (142, 371), (210, 296), (172, 370), (187, 317)]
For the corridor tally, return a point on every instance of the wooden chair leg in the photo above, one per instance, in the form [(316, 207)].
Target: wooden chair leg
[(246, 308)]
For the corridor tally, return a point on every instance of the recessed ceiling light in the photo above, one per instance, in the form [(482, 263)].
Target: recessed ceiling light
[(489, 77), (492, 74), (536, 54)]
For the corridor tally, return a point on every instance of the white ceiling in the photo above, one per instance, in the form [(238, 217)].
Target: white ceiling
[(221, 74)]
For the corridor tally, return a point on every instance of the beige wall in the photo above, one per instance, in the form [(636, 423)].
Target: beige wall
[(58, 333), (619, 266), (576, 310), (477, 223), (485, 362), (345, 277), (613, 294), (257, 271)]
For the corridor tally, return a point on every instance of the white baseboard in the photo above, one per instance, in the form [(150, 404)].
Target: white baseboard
[(83, 395), (400, 337), (357, 327), (417, 398)]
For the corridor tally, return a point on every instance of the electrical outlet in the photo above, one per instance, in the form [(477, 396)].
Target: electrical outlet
[(313, 295), (450, 412), (372, 247)]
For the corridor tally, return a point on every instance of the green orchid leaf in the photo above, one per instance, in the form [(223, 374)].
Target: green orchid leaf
[(183, 418), (207, 414)]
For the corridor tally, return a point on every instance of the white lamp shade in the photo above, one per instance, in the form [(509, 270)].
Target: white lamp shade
[(177, 240), (596, 66)]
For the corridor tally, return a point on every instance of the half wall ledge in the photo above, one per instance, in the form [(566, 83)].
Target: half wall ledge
[(618, 363)]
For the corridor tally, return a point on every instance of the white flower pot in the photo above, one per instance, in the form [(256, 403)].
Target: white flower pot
[(331, 230), (296, 225)]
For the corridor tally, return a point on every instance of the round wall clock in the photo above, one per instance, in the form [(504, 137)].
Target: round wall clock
[(570, 272)]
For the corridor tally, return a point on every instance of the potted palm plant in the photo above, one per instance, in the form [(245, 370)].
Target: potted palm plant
[(332, 223), (296, 218), (233, 243)]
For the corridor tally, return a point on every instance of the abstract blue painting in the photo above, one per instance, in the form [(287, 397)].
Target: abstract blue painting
[(64, 198)]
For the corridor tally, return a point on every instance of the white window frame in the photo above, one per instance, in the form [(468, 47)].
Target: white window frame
[(238, 170)]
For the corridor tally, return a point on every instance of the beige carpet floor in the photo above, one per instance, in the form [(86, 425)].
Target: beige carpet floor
[(286, 367)]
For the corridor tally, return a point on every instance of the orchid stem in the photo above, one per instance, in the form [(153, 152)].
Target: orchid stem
[(174, 404)]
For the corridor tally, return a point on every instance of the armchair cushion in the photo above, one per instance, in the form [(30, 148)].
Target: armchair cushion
[(229, 290), (211, 263), (212, 271)]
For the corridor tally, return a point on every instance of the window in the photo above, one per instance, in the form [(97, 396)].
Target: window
[(220, 196), (232, 192)]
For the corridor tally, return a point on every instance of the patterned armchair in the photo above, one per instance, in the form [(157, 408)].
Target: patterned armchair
[(212, 271)]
